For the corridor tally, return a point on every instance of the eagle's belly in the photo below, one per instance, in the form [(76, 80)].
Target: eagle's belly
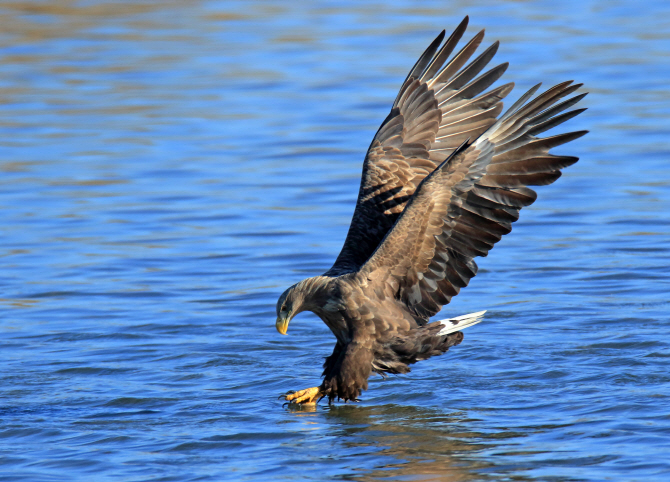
[(376, 324)]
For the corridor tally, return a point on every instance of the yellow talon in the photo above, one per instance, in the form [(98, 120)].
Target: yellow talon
[(307, 396)]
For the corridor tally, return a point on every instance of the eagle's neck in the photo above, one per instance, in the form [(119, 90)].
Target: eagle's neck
[(323, 297), (313, 292)]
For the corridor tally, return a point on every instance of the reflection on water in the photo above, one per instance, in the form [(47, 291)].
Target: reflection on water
[(409, 443), (168, 168)]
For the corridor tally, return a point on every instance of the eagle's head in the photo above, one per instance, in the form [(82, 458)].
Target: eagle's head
[(289, 305), (308, 295)]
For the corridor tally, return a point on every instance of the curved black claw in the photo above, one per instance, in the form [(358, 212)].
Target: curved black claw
[(290, 392)]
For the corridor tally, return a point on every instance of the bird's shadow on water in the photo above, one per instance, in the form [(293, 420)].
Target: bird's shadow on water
[(408, 443)]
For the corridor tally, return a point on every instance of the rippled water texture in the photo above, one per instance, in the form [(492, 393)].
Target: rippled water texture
[(169, 168)]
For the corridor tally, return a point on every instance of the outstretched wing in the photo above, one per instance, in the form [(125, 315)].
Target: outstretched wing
[(468, 203), (439, 106)]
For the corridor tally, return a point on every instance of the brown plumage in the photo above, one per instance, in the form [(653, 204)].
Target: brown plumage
[(443, 180)]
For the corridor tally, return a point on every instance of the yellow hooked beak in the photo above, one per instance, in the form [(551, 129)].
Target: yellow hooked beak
[(282, 322)]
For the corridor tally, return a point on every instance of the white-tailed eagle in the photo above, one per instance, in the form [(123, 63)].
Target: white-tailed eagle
[(443, 180)]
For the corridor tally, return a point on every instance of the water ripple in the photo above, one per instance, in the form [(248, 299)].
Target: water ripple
[(169, 168)]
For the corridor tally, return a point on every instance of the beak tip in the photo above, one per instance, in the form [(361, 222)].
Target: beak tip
[(282, 326)]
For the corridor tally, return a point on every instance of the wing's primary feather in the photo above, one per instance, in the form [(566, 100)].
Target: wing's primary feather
[(468, 203), (437, 108)]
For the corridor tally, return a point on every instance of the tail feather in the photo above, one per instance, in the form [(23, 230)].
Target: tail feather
[(461, 322)]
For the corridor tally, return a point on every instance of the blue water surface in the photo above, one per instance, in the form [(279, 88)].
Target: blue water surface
[(169, 168)]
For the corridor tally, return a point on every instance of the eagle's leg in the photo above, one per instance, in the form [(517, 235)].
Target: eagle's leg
[(305, 397)]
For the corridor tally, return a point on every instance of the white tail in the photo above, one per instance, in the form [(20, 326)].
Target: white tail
[(461, 322)]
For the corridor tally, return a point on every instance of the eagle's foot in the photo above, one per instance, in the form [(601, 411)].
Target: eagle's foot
[(307, 396)]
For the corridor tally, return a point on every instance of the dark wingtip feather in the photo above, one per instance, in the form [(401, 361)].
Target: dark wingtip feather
[(481, 83), (426, 56), (505, 89), (554, 110), (538, 128), (520, 102), (443, 54), (473, 69), (578, 134), (460, 30), (435, 43), (455, 64), (557, 140)]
